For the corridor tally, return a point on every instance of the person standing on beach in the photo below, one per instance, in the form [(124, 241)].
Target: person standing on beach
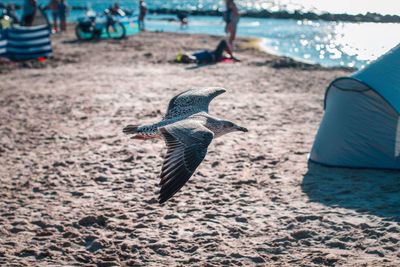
[(232, 19), (29, 12), (142, 14), (53, 6), (183, 18), (63, 12)]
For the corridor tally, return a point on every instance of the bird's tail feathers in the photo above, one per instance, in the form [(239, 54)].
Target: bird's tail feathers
[(131, 129)]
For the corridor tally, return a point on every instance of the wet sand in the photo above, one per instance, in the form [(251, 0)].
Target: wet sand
[(75, 191)]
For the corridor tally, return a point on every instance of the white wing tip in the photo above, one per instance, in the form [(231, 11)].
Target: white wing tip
[(219, 90)]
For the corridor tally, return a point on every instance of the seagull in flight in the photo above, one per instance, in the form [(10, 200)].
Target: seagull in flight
[(187, 130)]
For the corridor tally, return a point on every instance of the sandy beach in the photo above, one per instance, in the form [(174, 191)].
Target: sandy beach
[(75, 191)]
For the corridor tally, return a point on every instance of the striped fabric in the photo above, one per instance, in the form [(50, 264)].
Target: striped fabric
[(3, 45), (28, 42)]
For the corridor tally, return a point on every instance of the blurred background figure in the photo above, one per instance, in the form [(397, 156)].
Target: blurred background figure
[(63, 13), (8, 17), (117, 11), (28, 13), (232, 19), (10, 11), (53, 6), (142, 14), (183, 18), (207, 56), (111, 12)]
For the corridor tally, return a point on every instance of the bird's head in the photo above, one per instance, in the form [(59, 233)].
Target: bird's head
[(229, 126)]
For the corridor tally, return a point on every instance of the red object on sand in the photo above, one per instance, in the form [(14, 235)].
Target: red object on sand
[(41, 59), (227, 60)]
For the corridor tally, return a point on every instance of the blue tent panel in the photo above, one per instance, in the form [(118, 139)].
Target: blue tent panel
[(383, 76)]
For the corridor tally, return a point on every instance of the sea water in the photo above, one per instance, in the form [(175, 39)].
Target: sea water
[(322, 42), (325, 43)]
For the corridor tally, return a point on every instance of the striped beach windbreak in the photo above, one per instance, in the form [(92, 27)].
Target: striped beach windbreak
[(3, 45), (23, 43)]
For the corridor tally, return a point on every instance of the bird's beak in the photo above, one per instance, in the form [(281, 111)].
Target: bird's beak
[(242, 129)]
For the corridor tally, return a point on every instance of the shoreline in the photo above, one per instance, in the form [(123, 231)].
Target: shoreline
[(315, 51), (297, 60), (243, 43)]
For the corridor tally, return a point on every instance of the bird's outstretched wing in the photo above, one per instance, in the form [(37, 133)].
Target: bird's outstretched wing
[(187, 142), (192, 101)]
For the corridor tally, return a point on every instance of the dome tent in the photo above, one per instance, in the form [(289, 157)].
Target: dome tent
[(361, 123)]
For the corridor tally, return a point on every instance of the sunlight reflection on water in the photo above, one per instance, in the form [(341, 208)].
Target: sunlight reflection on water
[(332, 43)]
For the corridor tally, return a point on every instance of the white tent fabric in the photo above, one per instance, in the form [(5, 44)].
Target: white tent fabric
[(361, 124)]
